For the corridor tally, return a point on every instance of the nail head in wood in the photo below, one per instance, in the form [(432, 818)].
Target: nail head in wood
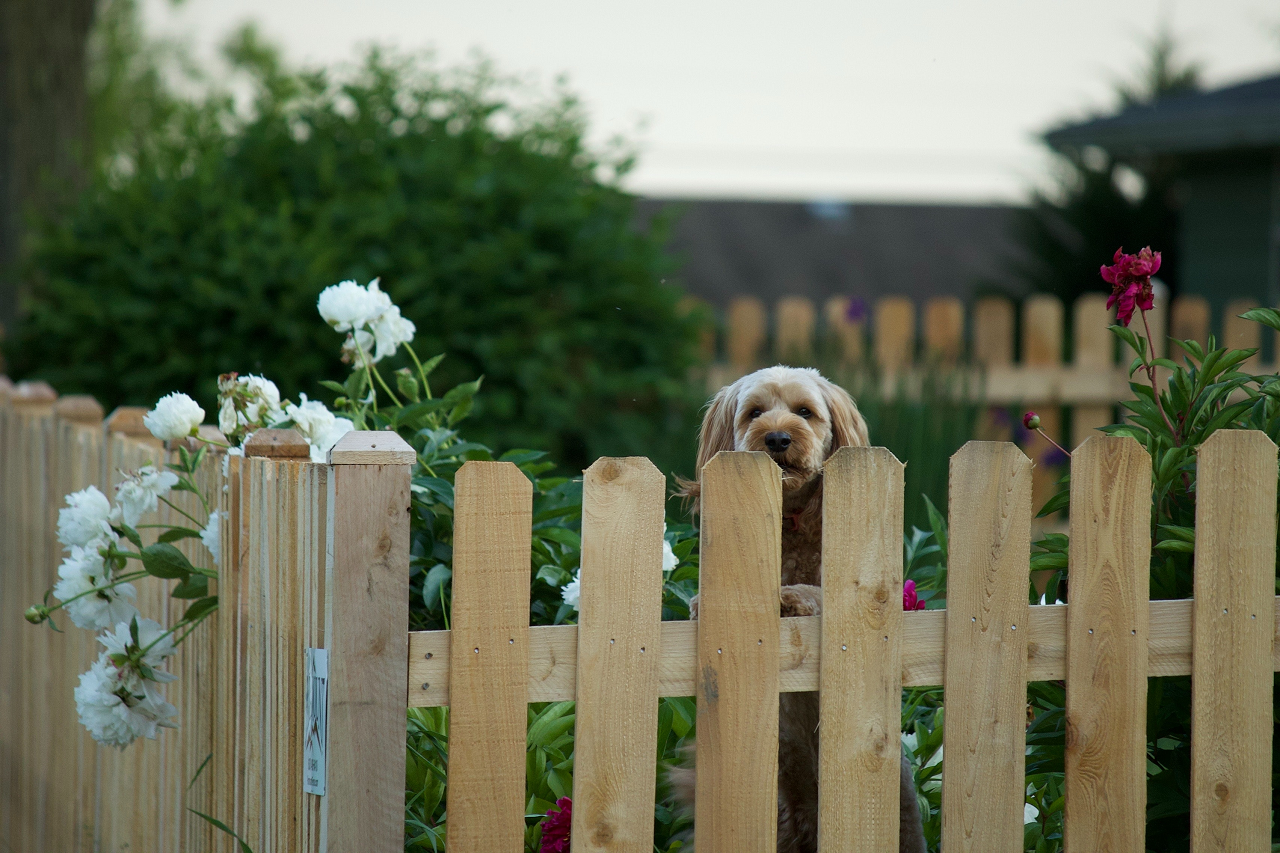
[(277, 444), (372, 447), (79, 409)]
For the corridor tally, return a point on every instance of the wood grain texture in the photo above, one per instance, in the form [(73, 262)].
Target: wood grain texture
[(737, 685), (372, 447), (1106, 758), (985, 672), (367, 619), (748, 326), (859, 753), (277, 444), (1234, 634), (489, 658), (944, 330), (895, 333), (794, 338), (993, 324), (619, 621)]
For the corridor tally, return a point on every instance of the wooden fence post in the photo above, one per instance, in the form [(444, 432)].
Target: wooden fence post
[(1189, 320), (944, 330), (489, 659), (895, 333), (1094, 350), (619, 625), (985, 667), (1239, 333), (794, 330), (1042, 347), (1106, 757), (1233, 633), (747, 328), (367, 624), (736, 800), (847, 333), (860, 750)]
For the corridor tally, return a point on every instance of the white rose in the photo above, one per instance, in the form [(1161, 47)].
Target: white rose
[(140, 492), (96, 609), (175, 416), (263, 399), (337, 429), (211, 538), (669, 560), (86, 517), (116, 709), (227, 420), (570, 593), (390, 330), (150, 633), (310, 418), (347, 305)]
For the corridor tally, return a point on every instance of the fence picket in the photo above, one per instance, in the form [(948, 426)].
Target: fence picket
[(849, 332), (985, 668), (619, 622), (1107, 636), (861, 663), (1189, 319), (1239, 333), (738, 641), (993, 325), (895, 333), (944, 330), (1094, 351), (489, 658), (748, 327), (794, 337), (1234, 632)]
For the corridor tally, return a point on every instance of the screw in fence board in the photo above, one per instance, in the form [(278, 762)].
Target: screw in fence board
[(793, 342), (367, 625), (1094, 351), (895, 333), (736, 805), (848, 332), (1238, 333), (1233, 636), (745, 335), (1189, 320), (489, 658), (985, 668), (619, 633), (944, 330), (1107, 628), (860, 751)]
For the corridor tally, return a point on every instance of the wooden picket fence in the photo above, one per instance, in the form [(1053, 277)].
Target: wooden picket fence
[(317, 556)]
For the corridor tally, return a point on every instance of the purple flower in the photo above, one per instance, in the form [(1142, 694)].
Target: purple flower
[(856, 311), (1130, 280), (556, 826), (909, 599)]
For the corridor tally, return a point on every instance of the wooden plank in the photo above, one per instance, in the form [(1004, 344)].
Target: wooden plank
[(944, 330), (793, 341), (489, 658), (846, 327), (367, 620), (736, 806), (986, 649), (1238, 333), (1095, 348), (859, 754), (619, 621), (1042, 347), (993, 323), (372, 447), (1158, 320), (553, 653), (745, 335), (895, 333), (1189, 319), (1110, 558), (1042, 330), (1234, 635)]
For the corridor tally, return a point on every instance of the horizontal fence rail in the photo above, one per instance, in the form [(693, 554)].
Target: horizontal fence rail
[(316, 557)]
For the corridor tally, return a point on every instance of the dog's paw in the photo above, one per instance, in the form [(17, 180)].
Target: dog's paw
[(801, 600)]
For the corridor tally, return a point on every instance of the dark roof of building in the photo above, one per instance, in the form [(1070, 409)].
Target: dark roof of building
[(824, 249), (1246, 115)]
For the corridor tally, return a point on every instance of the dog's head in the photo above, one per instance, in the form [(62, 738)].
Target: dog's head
[(794, 414)]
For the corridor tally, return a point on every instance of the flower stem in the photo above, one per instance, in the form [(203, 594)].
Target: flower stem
[(125, 579), (1151, 375), (426, 386), (180, 511), (1054, 443)]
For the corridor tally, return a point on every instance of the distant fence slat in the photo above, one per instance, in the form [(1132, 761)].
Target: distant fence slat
[(738, 641), (895, 333), (1106, 758), (986, 640), (794, 336), (619, 621), (1042, 347), (489, 658), (861, 676), (1238, 333), (1189, 319), (747, 329), (1094, 350), (944, 329), (993, 323), (1234, 635), (848, 331)]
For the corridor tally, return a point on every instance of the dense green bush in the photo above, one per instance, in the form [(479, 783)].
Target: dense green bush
[(503, 238)]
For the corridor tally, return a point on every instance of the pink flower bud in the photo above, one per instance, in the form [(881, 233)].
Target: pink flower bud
[(1031, 420)]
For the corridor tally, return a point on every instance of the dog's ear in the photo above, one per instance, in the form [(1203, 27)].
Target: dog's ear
[(848, 429), (716, 434)]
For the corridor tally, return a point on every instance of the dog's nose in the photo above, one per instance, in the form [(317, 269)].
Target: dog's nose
[(777, 441)]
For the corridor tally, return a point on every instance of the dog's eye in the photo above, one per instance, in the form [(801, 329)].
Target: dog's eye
[(755, 413), (804, 412)]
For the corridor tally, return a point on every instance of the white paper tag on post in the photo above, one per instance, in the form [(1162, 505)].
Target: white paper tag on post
[(316, 740)]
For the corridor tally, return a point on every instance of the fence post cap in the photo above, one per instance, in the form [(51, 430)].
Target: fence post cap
[(33, 392), (372, 447), (127, 420), (79, 409), (277, 444)]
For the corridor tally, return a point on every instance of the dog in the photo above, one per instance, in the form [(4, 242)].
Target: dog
[(799, 418)]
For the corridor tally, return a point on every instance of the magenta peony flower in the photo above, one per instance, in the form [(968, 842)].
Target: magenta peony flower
[(556, 826), (909, 599), (1130, 280)]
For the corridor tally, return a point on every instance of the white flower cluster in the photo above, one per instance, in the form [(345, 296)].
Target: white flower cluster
[(246, 403), (84, 578), (374, 325), (119, 699), (175, 416), (319, 426)]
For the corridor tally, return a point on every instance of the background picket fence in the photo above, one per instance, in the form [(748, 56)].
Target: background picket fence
[(317, 556)]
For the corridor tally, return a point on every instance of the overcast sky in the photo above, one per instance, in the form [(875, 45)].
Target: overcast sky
[(814, 100)]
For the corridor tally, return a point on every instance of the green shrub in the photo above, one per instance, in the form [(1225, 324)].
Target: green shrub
[(502, 237)]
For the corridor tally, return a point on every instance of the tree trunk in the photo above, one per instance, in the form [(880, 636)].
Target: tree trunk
[(43, 120)]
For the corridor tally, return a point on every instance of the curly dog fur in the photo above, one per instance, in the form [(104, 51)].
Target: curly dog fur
[(799, 418)]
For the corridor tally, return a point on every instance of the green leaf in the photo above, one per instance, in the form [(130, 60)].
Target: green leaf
[(200, 608), (194, 586), (1126, 334), (162, 560), (130, 534), (1186, 534), (1266, 316), (1176, 545), (1054, 504), (562, 535), (938, 524), (244, 848), (173, 534), (431, 364), (1048, 560), (335, 387)]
